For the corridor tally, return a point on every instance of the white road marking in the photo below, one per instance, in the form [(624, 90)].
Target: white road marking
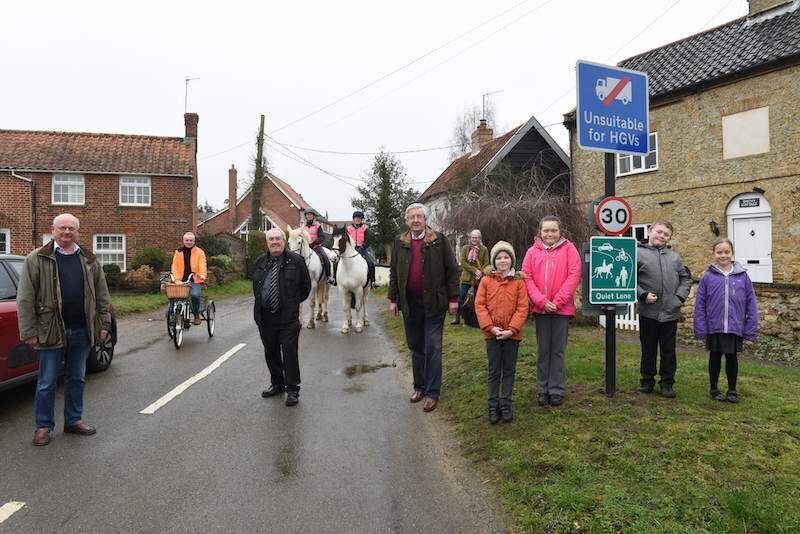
[(150, 410), (9, 508)]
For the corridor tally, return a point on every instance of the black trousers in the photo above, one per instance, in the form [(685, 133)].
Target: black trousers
[(280, 351), (655, 335)]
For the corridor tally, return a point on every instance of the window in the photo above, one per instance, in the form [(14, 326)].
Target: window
[(639, 231), (745, 133), (110, 248), (134, 190), (629, 164), (68, 189), (46, 238), (5, 241), (7, 288), (266, 224)]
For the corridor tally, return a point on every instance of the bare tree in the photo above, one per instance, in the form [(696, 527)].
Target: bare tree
[(508, 206), (465, 123)]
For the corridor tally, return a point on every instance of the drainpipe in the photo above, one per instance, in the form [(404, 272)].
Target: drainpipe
[(33, 206)]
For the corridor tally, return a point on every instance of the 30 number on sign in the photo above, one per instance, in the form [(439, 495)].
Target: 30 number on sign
[(614, 216)]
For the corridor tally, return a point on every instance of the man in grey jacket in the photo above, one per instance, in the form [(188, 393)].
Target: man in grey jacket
[(664, 283), (62, 309)]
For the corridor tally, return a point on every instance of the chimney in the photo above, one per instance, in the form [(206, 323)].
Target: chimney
[(481, 137), (760, 6), (191, 120), (232, 180)]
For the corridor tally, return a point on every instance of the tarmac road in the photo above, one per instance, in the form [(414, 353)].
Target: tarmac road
[(353, 456)]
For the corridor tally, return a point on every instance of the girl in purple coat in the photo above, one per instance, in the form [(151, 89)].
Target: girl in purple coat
[(725, 311)]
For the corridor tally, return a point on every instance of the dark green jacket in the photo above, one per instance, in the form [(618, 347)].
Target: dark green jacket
[(439, 272), (39, 298)]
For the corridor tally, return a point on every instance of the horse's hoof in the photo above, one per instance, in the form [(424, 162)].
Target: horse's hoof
[(325, 318), (345, 330), (366, 322), (318, 317), (359, 329), (311, 325)]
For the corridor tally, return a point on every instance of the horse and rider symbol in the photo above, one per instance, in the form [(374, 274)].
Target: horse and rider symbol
[(606, 269)]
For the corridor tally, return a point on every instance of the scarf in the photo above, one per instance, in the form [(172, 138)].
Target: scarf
[(473, 253)]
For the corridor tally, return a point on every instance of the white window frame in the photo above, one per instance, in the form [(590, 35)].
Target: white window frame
[(136, 185), (6, 232), (57, 177), (631, 232), (653, 142), (99, 253), (46, 238)]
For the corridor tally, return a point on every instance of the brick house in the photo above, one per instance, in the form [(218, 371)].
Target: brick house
[(523, 149), (129, 191), (724, 156), (282, 206)]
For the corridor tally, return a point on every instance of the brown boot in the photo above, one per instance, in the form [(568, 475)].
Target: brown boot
[(197, 320)]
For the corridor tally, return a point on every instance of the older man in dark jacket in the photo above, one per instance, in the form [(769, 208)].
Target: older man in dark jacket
[(280, 283), (423, 283)]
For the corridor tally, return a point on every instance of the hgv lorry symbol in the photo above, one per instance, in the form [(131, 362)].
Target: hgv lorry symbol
[(605, 86)]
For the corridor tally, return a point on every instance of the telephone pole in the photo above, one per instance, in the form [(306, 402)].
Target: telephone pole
[(258, 181)]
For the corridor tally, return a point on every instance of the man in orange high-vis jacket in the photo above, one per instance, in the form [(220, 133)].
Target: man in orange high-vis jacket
[(187, 261)]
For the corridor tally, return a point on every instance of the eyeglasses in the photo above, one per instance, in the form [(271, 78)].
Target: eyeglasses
[(65, 228)]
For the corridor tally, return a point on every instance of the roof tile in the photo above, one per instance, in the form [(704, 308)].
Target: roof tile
[(95, 153)]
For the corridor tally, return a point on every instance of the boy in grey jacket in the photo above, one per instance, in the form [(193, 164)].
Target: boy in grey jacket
[(664, 283)]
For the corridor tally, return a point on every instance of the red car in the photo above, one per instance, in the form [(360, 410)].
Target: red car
[(18, 361)]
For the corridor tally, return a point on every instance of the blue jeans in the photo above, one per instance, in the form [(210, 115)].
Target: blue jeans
[(74, 354), (424, 339), (194, 295)]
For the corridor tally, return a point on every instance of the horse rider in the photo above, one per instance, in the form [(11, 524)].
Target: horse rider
[(359, 233), (316, 236)]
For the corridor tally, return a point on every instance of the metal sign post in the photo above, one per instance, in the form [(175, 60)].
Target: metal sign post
[(612, 116)]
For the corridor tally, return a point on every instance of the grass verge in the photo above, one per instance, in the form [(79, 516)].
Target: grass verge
[(631, 463), (125, 304)]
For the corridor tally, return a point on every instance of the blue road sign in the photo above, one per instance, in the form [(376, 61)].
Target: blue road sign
[(613, 107)]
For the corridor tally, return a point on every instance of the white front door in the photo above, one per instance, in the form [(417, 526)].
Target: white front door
[(753, 241)]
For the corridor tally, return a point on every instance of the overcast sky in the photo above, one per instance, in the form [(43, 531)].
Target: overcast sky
[(120, 67)]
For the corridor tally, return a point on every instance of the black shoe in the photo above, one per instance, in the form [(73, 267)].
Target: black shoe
[(667, 391), (292, 398), (272, 391), (494, 415), (556, 400), (507, 413), (732, 396), (544, 399), (644, 388), (717, 395)]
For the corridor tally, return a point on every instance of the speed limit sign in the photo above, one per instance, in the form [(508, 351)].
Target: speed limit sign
[(613, 216)]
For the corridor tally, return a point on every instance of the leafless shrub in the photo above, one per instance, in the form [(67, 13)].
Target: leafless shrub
[(508, 206)]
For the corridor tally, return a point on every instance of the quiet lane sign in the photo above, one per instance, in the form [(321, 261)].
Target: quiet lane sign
[(612, 270), (612, 113)]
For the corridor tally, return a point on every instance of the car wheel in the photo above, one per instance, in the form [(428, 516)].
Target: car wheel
[(101, 355)]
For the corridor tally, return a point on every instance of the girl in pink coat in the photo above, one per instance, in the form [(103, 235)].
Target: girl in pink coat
[(552, 269)]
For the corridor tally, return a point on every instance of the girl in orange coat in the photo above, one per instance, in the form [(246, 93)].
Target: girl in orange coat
[(502, 309)]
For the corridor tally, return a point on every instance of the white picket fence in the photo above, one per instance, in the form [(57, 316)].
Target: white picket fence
[(627, 321)]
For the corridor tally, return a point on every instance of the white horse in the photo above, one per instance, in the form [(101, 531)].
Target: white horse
[(351, 279), (298, 243)]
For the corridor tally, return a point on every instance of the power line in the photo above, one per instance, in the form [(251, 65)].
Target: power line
[(345, 153), (381, 78), (703, 27), (395, 71), (436, 66), (300, 159), (629, 41)]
